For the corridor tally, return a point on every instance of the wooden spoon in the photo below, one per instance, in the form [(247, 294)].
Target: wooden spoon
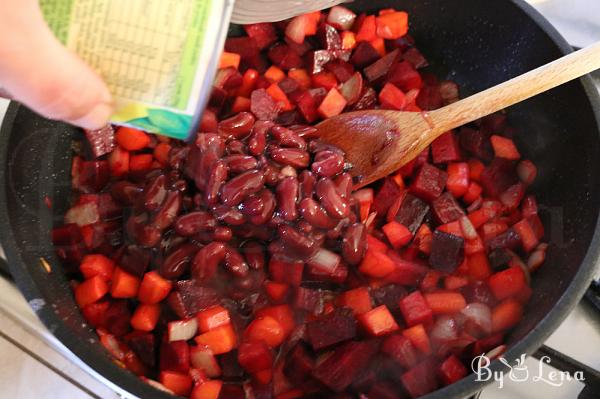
[(378, 142)]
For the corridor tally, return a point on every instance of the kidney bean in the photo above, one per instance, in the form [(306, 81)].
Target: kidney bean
[(306, 131), (314, 214), (269, 204), (155, 193), (343, 184), (222, 233), (307, 182), (271, 173), (317, 146), (304, 226), (287, 195), (211, 148), (240, 163), (204, 237), (167, 214), (217, 177), (177, 262), (287, 171), (179, 185), (337, 230), (276, 247), (296, 241), (253, 205), (206, 260), (327, 163), (235, 190), (253, 231), (354, 243), (287, 138), (126, 193), (332, 201), (258, 139), (238, 126), (290, 156), (235, 263), (318, 236), (143, 234), (254, 253), (235, 147), (229, 216), (178, 156), (194, 222)]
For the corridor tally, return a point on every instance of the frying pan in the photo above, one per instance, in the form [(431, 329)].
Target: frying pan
[(475, 43)]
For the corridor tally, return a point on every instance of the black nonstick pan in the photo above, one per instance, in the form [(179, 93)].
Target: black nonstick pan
[(475, 43)]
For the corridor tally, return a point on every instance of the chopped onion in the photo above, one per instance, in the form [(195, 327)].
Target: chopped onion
[(496, 352), (445, 329), (364, 195), (157, 385), (341, 18), (467, 228), (182, 330), (83, 214), (526, 171), (480, 315), (325, 260), (202, 357)]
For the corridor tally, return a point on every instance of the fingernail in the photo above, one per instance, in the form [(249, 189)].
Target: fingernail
[(97, 118)]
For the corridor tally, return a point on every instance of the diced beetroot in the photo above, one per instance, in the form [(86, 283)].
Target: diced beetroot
[(329, 37), (262, 33), (445, 148), (367, 100), (341, 69), (308, 299), (429, 98), (316, 60), (452, 370), (420, 380), (336, 327), (247, 48), (411, 213), (325, 79), (403, 75), (263, 106), (339, 369), (415, 57), (415, 310), (405, 272), (384, 390), (299, 364), (447, 251), (386, 195), (390, 296), (498, 176), (378, 70), (509, 239), (226, 79), (364, 54), (283, 57), (255, 356), (429, 182), (286, 271), (144, 345), (446, 209), (175, 356), (401, 350), (190, 298), (476, 143), (89, 176), (102, 141)]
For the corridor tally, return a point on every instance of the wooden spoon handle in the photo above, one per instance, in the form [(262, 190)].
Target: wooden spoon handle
[(517, 89)]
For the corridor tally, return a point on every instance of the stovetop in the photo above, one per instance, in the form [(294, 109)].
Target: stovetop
[(574, 346)]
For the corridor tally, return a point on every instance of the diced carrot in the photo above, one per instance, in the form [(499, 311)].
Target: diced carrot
[(333, 104), (397, 234), (473, 192), (452, 228), (357, 299), (431, 281), (161, 153), (474, 246), (124, 285), (131, 139), (325, 79), (392, 97), (415, 309), (229, 60), (265, 329), (442, 302), (375, 244), (476, 168), (145, 317), (274, 74), (506, 315), (479, 266), (213, 317), (118, 162), (283, 314), (529, 239), (378, 322), (240, 104), (504, 148), (479, 217), (365, 200), (220, 340), (248, 83), (277, 292), (207, 390), (367, 30), (97, 265), (301, 77), (348, 40), (507, 283), (90, 291), (418, 337), (393, 25), (452, 282), (140, 162), (423, 239), (386, 11), (376, 264), (379, 45), (179, 383), (280, 97), (154, 288), (458, 178)]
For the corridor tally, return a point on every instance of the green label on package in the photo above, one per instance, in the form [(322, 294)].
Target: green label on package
[(155, 55)]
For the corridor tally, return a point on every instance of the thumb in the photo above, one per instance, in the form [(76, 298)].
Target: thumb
[(38, 71)]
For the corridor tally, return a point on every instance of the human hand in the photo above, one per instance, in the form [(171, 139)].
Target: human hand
[(38, 71)]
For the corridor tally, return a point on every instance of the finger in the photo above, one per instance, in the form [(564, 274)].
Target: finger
[(42, 74)]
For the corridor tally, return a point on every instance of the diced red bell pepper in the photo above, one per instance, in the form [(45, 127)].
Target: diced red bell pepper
[(479, 266), (263, 33), (401, 349), (283, 314), (452, 282), (333, 104), (277, 292), (507, 283), (265, 329), (458, 178), (287, 272), (405, 77), (240, 104), (378, 322), (179, 383), (474, 246), (207, 390), (255, 356), (473, 192), (220, 340), (379, 45), (124, 285), (504, 148), (431, 281), (415, 309), (301, 77), (90, 291), (280, 97), (97, 265), (392, 97), (154, 288), (95, 313), (357, 299), (419, 338), (392, 25), (229, 60), (441, 302), (397, 234), (140, 162), (376, 264), (367, 30), (118, 162), (145, 317), (429, 182), (132, 139), (529, 240), (452, 370), (212, 318), (274, 74), (376, 244), (420, 380), (506, 315), (445, 148)]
